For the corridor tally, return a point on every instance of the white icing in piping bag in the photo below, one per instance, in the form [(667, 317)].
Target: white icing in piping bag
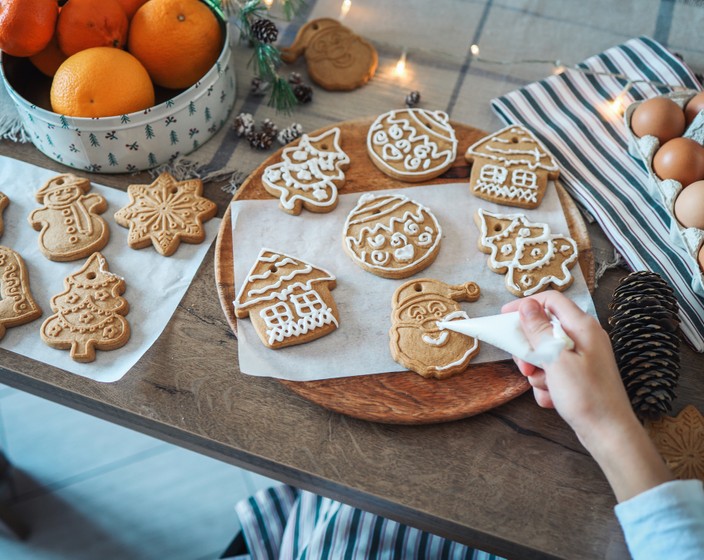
[(504, 331)]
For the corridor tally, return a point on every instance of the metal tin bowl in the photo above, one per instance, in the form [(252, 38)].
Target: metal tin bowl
[(174, 127)]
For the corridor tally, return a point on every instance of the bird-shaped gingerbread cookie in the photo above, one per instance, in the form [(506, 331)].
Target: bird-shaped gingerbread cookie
[(337, 58)]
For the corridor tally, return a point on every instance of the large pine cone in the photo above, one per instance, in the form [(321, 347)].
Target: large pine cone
[(644, 337)]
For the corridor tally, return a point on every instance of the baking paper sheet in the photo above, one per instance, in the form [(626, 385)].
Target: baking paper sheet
[(155, 284), (360, 346)]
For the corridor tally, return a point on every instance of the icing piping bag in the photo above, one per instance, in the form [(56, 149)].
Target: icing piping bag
[(504, 331)]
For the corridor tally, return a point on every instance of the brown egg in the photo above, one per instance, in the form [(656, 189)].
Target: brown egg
[(689, 205), (693, 107), (681, 159), (660, 117)]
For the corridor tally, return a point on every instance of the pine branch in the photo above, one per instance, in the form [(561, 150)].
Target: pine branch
[(282, 97), (292, 7)]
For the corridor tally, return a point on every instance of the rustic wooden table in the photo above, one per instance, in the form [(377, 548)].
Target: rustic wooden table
[(513, 480)]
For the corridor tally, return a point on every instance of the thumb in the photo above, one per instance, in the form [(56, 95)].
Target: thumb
[(534, 321)]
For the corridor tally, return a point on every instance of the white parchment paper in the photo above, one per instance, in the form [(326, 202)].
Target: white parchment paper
[(155, 284), (360, 345)]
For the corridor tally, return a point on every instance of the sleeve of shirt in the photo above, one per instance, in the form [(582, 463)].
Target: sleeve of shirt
[(665, 522)]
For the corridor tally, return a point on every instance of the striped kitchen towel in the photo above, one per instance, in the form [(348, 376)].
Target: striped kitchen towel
[(574, 114)]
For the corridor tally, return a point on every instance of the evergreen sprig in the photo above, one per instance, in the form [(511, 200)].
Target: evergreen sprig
[(282, 97), (292, 7)]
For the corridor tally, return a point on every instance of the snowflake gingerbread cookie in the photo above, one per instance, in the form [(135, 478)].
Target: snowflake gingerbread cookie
[(412, 145), (17, 306), (288, 300), (511, 167), (391, 236), (166, 213), (308, 174), (416, 341), (532, 258)]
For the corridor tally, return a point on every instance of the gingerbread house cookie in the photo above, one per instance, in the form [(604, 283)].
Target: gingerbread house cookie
[(17, 306), (308, 174), (391, 236), (412, 145), (288, 300), (511, 167), (416, 341), (532, 258)]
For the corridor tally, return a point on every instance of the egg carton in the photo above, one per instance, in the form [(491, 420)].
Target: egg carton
[(689, 239)]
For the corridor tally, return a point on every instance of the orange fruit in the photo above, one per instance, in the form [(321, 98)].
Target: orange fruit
[(101, 82), (131, 6), (26, 26), (49, 59), (178, 41), (83, 24)]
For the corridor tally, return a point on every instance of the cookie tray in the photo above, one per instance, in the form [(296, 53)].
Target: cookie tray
[(689, 239)]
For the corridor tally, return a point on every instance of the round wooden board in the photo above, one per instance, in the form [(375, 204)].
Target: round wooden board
[(405, 397)]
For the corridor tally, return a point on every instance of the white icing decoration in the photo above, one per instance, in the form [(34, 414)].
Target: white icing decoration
[(404, 254), (308, 173), (376, 211), (406, 133), (492, 147), (436, 340)]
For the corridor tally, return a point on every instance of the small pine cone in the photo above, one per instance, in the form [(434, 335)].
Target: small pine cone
[(290, 134), (258, 86), (269, 128), (644, 322), (303, 93), (412, 99), (265, 31), (294, 79), (260, 141), (244, 124)]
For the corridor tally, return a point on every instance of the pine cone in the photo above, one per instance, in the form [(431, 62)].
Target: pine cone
[(260, 140), (644, 337), (303, 93), (412, 99), (290, 134), (294, 79), (258, 86), (265, 31), (269, 128), (243, 124)]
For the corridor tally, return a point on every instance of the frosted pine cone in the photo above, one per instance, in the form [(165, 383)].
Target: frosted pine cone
[(265, 31), (290, 134), (412, 99), (303, 93), (244, 124)]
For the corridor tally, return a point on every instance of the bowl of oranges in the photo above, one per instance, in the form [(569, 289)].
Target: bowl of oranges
[(114, 86)]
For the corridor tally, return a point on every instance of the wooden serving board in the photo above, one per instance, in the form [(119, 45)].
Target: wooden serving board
[(403, 397)]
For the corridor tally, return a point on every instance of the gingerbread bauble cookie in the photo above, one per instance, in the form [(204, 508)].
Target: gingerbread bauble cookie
[(17, 306), (391, 235), (337, 58), (511, 167), (288, 300), (416, 342), (69, 223), (412, 145)]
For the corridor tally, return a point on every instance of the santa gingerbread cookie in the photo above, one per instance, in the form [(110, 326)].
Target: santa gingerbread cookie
[(416, 341), (412, 145), (308, 174), (532, 258), (288, 300), (391, 235), (17, 306), (69, 224), (511, 167)]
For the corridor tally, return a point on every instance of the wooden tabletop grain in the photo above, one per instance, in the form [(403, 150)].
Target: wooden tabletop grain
[(513, 480)]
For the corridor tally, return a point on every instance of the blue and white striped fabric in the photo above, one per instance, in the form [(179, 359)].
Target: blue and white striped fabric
[(572, 115), (286, 523)]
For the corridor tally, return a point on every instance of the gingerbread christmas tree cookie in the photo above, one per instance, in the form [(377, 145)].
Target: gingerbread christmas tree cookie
[(416, 342), (69, 223), (288, 300), (89, 313), (511, 167), (4, 202), (17, 306), (308, 174), (166, 213)]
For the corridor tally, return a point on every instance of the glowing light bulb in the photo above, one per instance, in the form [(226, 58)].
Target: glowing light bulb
[(268, 3), (474, 49), (559, 69), (345, 8), (616, 106), (400, 68)]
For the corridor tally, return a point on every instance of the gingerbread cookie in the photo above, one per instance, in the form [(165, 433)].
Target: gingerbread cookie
[(69, 225), (308, 174), (89, 313), (17, 306), (412, 145), (337, 58), (511, 167), (416, 341), (391, 235), (166, 213), (4, 202), (679, 441), (532, 258), (288, 300)]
